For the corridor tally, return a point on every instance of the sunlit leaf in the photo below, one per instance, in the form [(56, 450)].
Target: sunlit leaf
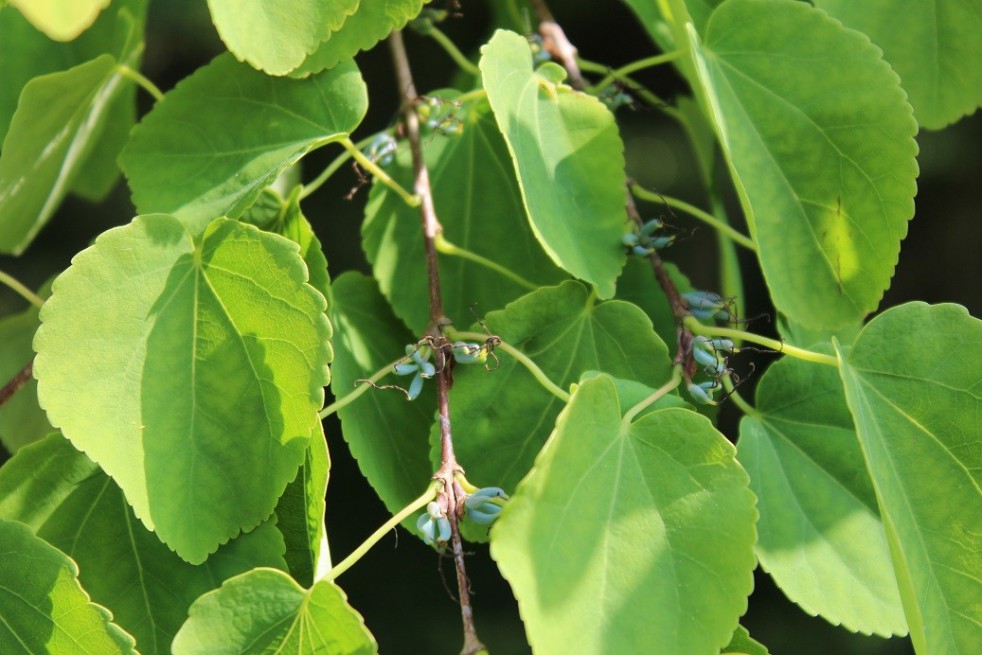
[(62, 20), (935, 47), (479, 205), (264, 611), (743, 644), (819, 139), (203, 361), (612, 542), (502, 417), (223, 134), (386, 433), (44, 610), (569, 158), (276, 36), (372, 22), (67, 499), (820, 533), (915, 397)]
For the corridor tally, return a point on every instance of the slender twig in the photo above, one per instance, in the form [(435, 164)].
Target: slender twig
[(452, 50), (523, 359), (636, 87), (633, 67), (22, 290), (779, 346), (738, 400), (141, 80), (448, 248), (453, 494), (692, 210), (554, 40), (389, 525), (16, 382)]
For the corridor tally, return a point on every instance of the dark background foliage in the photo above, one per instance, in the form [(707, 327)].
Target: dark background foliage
[(402, 587)]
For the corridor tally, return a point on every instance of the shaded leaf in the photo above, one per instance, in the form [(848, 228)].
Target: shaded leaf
[(386, 433), (916, 405), (300, 514), (274, 36), (22, 421), (265, 611), (62, 20), (372, 22), (616, 520), (502, 417), (203, 361), (819, 139), (569, 159), (637, 285), (223, 134), (819, 534), (935, 47), (70, 503), (44, 610), (480, 207), (57, 120)]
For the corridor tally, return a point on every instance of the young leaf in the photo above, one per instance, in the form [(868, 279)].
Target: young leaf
[(222, 135), (743, 644), (57, 120), (371, 22), (275, 36), (203, 361), (916, 406), (300, 514), (569, 159), (22, 421), (70, 503), (827, 188), (480, 207), (820, 535), (629, 538), (502, 417), (60, 20), (264, 611), (386, 433), (935, 47), (44, 609)]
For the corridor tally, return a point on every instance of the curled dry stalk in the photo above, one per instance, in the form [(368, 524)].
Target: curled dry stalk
[(452, 495)]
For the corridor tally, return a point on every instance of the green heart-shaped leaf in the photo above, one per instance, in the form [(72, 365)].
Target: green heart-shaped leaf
[(203, 362)]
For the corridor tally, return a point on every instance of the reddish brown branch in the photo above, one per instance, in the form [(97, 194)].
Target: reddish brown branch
[(16, 382), (680, 308), (452, 496), (554, 40)]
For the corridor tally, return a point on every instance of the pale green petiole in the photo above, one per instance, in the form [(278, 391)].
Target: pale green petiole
[(141, 80), (714, 331), (21, 290), (373, 168), (633, 67), (522, 358), (692, 210), (452, 50), (363, 386), (333, 167), (660, 392), (447, 248), (388, 526)]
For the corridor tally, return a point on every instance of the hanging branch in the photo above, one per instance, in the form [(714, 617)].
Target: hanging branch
[(554, 40), (453, 494), (16, 382)]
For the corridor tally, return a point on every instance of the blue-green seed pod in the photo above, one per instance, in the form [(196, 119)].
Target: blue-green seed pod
[(642, 251), (662, 242), (704, 358), (427, 370), (433, 509), (699, 394), (630, 239), (651, 227), (405, 368), (415, 387), (720, 343), (704, 300), (443, 526), (427, 529), (484, 515)]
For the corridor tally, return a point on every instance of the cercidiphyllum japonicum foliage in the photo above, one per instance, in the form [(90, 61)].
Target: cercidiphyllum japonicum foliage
[(177, 505)]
